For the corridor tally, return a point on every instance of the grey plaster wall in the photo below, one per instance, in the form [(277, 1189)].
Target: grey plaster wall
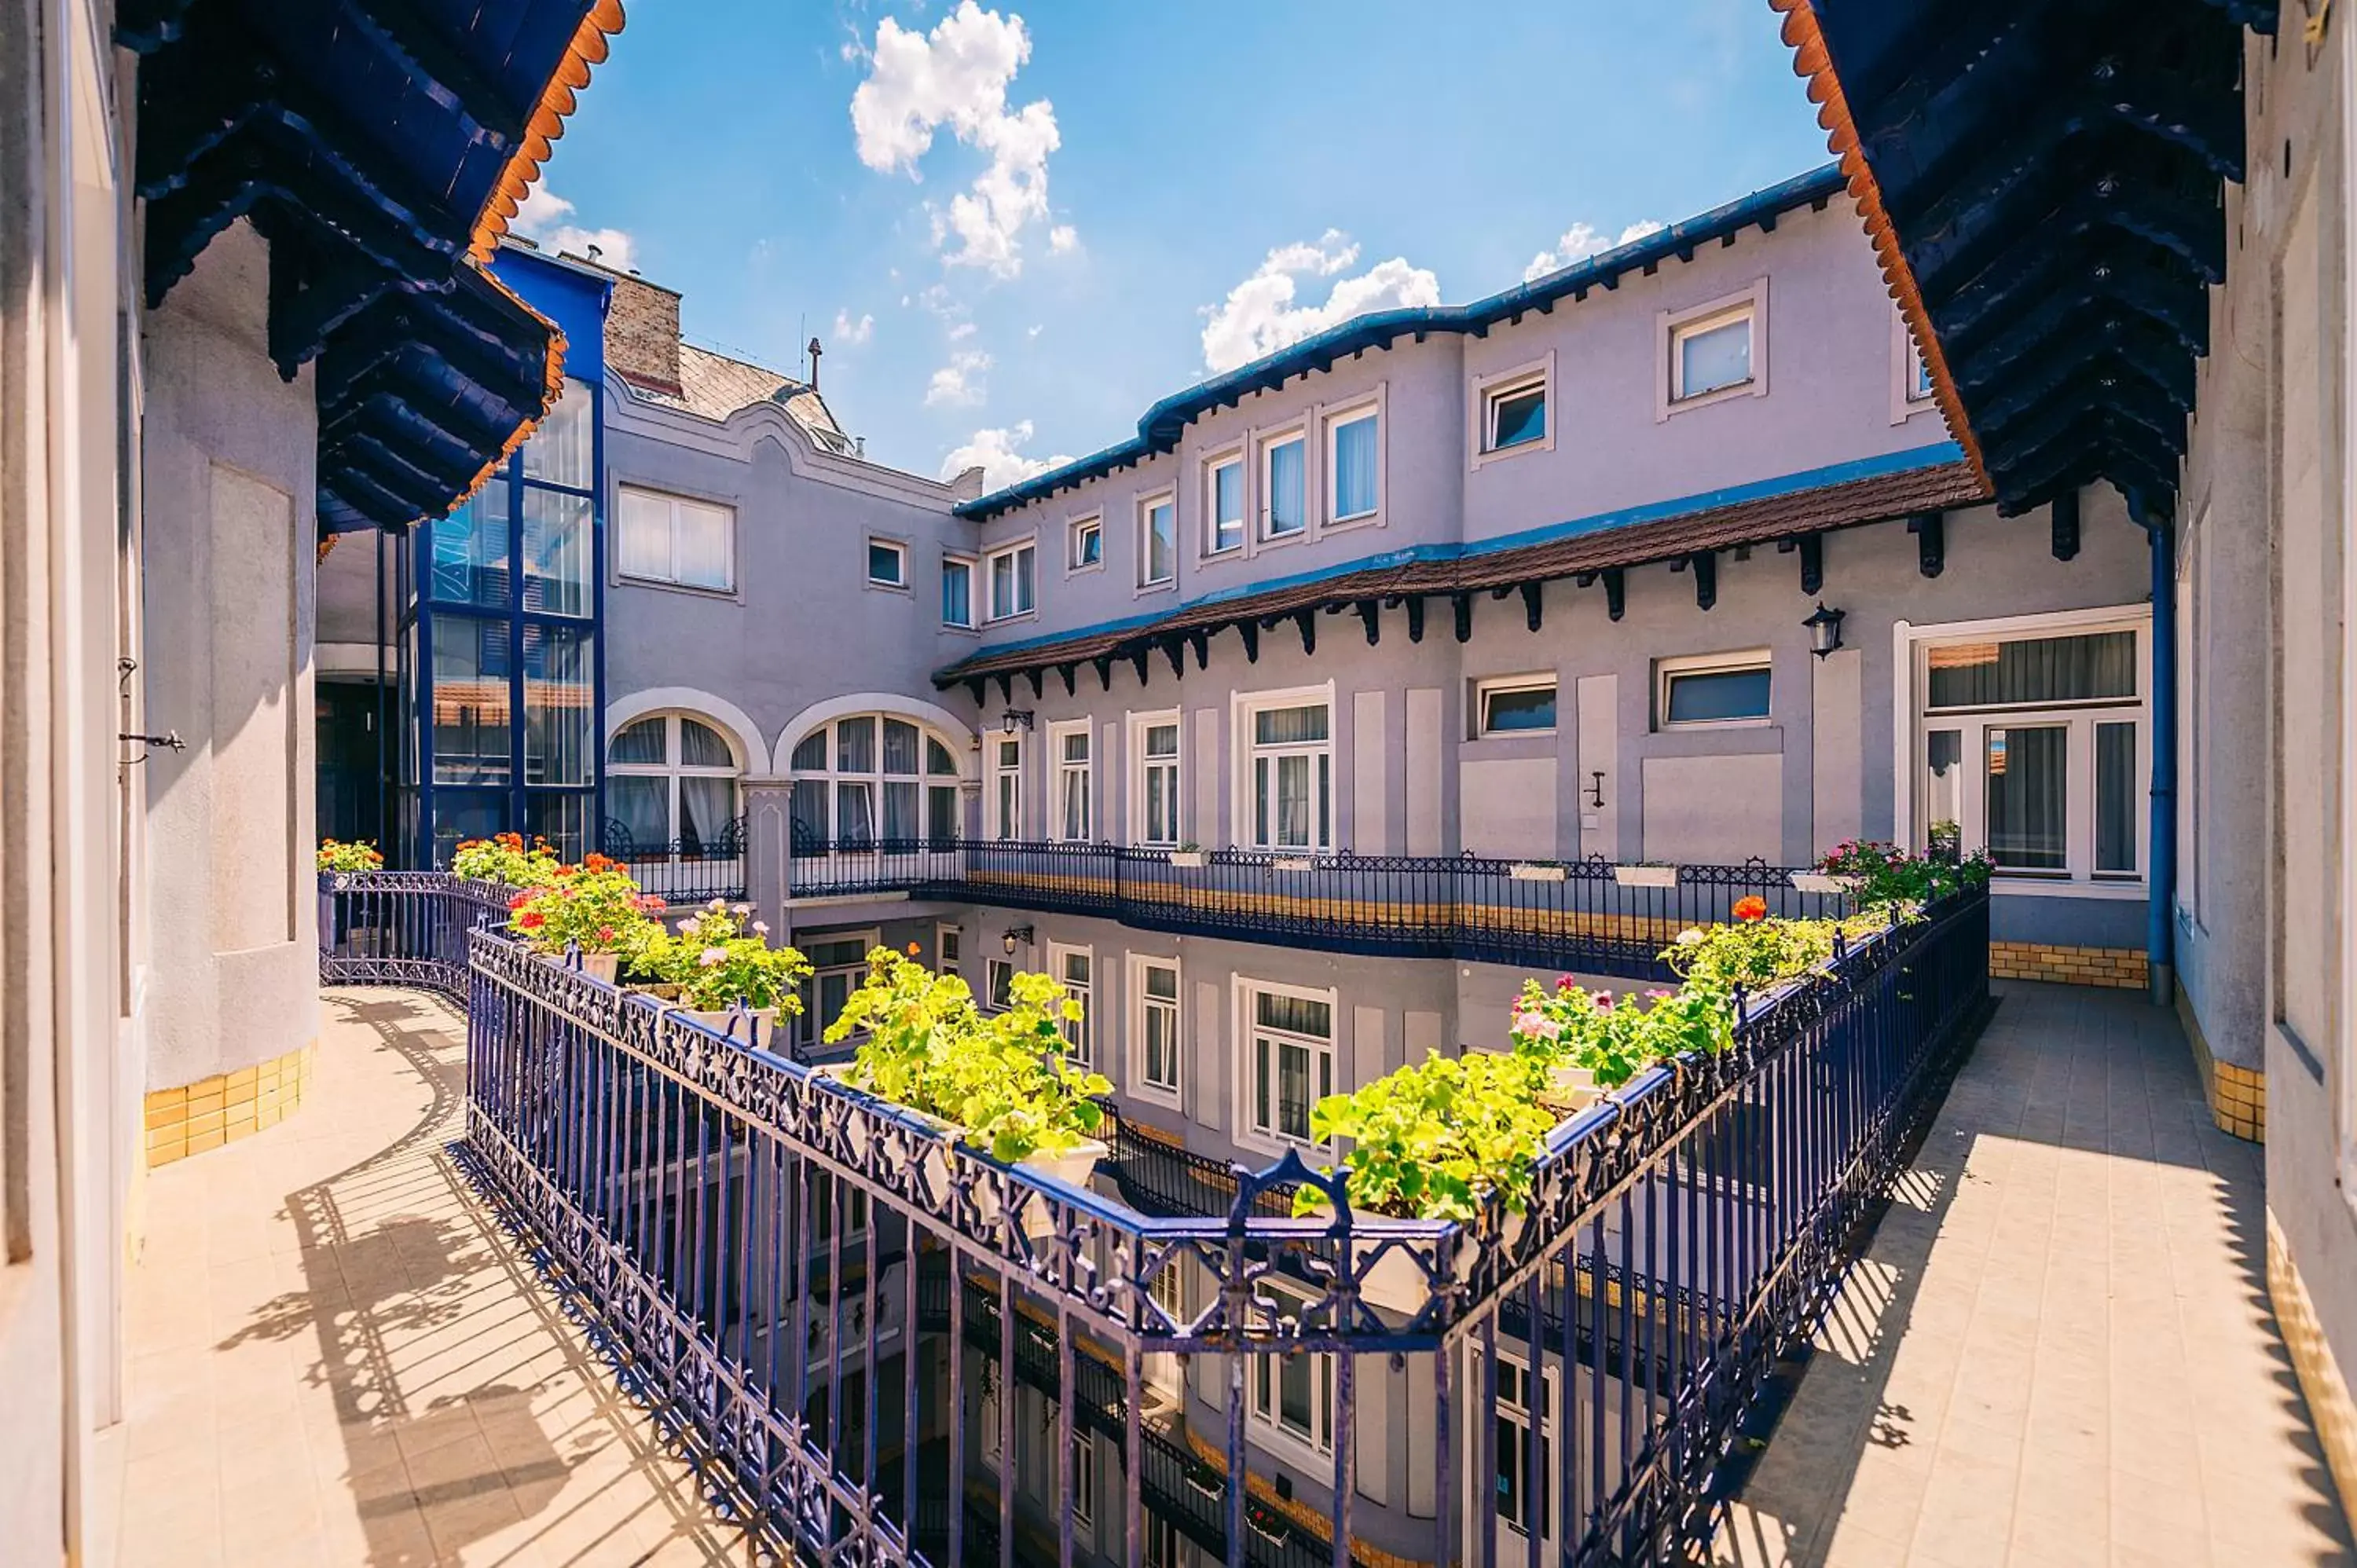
[(228, 479)]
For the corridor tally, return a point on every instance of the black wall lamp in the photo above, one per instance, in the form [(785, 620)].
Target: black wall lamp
[(1824, 629), (1014, 719), (1015, 937)]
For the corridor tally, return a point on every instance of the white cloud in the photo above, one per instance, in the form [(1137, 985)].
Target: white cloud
[(1063, 237), (1260, 316), (1580, 242), (540, 218), (957, 76), (962, 331), (847, 330), (959, 382), (993, 452)]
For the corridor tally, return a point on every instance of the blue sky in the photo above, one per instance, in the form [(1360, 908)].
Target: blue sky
[(1015, 227)]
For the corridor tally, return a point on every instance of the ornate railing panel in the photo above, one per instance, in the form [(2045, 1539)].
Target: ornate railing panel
[(752, 1243), (684, 870), (1589, 915), (402, 928)]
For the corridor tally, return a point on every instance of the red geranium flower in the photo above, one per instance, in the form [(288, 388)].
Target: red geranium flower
[(518, 901), (1752, 907), (531, 921)]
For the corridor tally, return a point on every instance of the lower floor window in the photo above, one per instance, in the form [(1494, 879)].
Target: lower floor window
[(838, 964), (1291, 1037), (1525, 1478), (1156, 985), (1295, 1395)]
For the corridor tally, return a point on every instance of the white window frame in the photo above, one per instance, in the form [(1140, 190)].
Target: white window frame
[(1264, 511), (1329, 424), (1209, 543), (1141, 1084), (1061, 771), (1666, 669), (672, 769), (1138, 724), (1080, 1036), (1145, 505), (1487, 390), (1906, 359), (992, 615), (1244, 830), (1912, 647), (1543, 1425), (1484, 689), (997, 800), (1672, 327), (1249, 1132), (868, 940), (1075, 531), (672, 500), (991, 968), (971, 566), (898, 549), (1084, 1482), (1262, 1408), (878, 779), (948, 934)]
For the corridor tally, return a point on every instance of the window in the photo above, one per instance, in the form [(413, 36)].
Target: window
[(1012, 585), (1154, 768), (1284, 462), (1007, 787), (1086, 550), (1157, 542), (949, 948), (670, 539), (1154, 1027), (1351, 467), (1515, 415), (1918, 374), (1289, 1060), (1071, 968), (1224, 494), (1294, 1395), (2033, 747), (888, 563), (1084, 1482), (838, 965), (1290, 778), (1711, 356), (672, 787), (871, 777), (957, 592), (1525, 1475), (1069, 744), (1715, 689), (1516, 705), (998, 983)]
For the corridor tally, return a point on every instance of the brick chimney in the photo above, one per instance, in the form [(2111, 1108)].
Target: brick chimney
[(643, 334)]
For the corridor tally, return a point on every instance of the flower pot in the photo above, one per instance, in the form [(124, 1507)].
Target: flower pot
[(1212, 1487), (935, 1159), (661, 990), (1293, 863), (1075, 1165), (1818, 882), (1645, 875), (1536, 873), (755, 1027), (1571, 1089), (1192, 859), (1395, 1282), (602, 966)]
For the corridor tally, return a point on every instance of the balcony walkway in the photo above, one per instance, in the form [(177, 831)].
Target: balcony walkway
[(2059, 1348), (337, 1357)]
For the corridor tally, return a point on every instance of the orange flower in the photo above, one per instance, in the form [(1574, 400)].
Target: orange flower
[(913, 950), (1752, 907)]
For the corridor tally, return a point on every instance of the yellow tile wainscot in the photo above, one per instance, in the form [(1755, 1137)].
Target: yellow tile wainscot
[(222, 1109)]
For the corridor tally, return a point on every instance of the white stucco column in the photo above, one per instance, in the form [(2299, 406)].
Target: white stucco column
[(769, 844), (231, 553)]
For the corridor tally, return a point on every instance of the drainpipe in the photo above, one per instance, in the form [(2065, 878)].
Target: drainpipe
[(2160, 913)]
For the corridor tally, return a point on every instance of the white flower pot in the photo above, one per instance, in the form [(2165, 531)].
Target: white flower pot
[(1536, 873), (1397, 1282), (1191, 859), (602, 966), (1645, 875), (1571, 1089), (1293, 863), (1075, 1165), (747, 1028), (1818, 882)]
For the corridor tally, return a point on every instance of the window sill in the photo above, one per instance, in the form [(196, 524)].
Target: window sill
[(1155, 1094), (2031, 885), (1228, 552), (1090, 570), (996, 621), (1519, 449), (1751, 387), (1145, 590), (660, 585), (1277, 541), (901, 589), (1356, 520), (961, 631)]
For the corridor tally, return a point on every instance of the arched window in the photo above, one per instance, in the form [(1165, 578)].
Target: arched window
[(871, 779), (672, 787)]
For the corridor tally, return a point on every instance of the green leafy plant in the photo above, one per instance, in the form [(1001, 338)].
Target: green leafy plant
[(1002, 1077), (337, 856), (1616, 1040), (504, 858), (718, 960), (1756, 954), (1883, 874), (595, 905), (1437, 1139)]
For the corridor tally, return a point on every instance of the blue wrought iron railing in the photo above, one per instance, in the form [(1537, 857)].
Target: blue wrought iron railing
[(767, 1257), (1587, 915), (403, 928), (686, 870)]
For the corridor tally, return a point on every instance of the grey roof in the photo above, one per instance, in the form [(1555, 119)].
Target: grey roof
[(713, 386)]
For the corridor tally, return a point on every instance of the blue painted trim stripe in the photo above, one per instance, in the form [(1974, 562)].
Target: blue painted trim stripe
[(1159, 430), (1906, 461)]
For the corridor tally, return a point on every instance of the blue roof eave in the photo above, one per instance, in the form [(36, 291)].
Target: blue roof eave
[(1159, 430)]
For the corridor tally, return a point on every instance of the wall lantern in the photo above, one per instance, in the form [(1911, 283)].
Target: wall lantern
[(1824, 629), (1015, 937), (1014, 719)]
